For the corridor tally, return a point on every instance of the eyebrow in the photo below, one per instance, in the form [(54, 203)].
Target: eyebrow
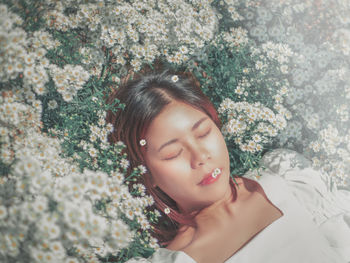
[(195, 126)]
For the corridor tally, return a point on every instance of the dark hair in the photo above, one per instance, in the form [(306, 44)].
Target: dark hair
[(145, 97)]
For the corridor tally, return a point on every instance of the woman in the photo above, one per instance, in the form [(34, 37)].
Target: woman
[(170, 126)]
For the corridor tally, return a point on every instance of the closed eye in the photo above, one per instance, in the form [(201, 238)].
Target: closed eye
[(173, 157), (205, 134), (200, 136)]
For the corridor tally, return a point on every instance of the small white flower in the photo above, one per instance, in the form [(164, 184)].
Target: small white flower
[(143, 169), (259, 65), (57, 248), (130, 214), (101, 122), (143, 142), (256, 137), (118, 177), (216, 172), (52, 104), (258, 147), (93, 152), (167, 210), (67, 97), (183, 49), (157, 213), (175, 78), (150, 201), (142, 220), (124, 163), (109, 127), (93, 137), (120, 143), (153, 243), (284, 69)]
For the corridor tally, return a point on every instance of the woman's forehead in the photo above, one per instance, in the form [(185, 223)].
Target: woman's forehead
[(176, 114)]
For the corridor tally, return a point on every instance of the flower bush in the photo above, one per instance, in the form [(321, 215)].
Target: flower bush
[(318, 34), (66, 194), (51, 211)]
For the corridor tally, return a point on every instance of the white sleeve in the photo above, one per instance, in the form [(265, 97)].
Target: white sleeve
[(328, 206), (163, 255)]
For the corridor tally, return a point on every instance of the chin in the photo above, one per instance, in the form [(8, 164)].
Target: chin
[(222, 190)]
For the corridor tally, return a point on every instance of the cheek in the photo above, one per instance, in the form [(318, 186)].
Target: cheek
[(217, 145), (167, 174)]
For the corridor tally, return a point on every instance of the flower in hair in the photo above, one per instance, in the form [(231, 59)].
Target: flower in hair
[(175, 78), (167, 210), (143, 142)]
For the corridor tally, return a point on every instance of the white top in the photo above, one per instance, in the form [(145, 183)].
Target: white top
[(315, 226)]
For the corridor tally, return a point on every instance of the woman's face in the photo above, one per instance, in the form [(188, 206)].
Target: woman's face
[(184, 147)]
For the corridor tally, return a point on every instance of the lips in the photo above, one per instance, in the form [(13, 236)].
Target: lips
[(211, 177)]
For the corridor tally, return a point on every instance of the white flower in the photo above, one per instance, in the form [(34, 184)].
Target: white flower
[(93, 152), (142, 169), (239, 90), (124, 163), (50, 229), (57, 248), (153, 242), (93, 138), (258, 147), (183, 49), (6, 155), (216, 172), (157, 213), (143, 222), (284, 69), (40, 204), (120, 233), (256, 137), (259, 65), (117, 177), (52, 104), (67, 96), (143, 142), (109, 127), (150, 201), (28, 166), (175, 78)]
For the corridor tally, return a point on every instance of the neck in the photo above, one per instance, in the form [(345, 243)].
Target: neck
[(218, 210)]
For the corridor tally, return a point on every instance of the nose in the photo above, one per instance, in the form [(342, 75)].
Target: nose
[(199, 156)]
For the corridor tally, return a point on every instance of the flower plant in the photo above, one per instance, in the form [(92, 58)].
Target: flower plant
[(66, 194)]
